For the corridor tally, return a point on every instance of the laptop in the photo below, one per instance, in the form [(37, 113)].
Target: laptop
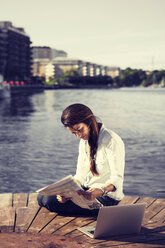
[(116, 220)]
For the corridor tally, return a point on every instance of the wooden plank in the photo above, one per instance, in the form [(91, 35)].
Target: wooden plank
[(144, 236), (28, 240), (106, 242), (153, 210), (25, 217), (128, 200), (159, 217), (147, 200), (75, 234), (139, 239), (153, 244), (114, 241), (57, 223), (5, 200), (20, 200), (155, 240), (32, 200), (7, 220), (99, 242), (43, 218), (73, 225), (32, 220), (153, 227)]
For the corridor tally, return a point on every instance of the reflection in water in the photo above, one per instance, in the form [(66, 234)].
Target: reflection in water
[(17, 105), (37, 150)]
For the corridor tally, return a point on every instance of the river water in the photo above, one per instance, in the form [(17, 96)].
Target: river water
[(36, 150)]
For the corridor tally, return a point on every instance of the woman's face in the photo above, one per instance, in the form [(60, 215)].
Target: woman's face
[(80, 130)]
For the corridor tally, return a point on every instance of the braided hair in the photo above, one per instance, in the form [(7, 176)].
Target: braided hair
[(79, 113)]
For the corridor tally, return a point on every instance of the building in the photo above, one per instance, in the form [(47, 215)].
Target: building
[(42, 61), (63, 64), (15, 53), (46, 57), (39, 67), (44, 52), (84, 68), (41, 52), (49, 71), (58, 53), (113, 71)]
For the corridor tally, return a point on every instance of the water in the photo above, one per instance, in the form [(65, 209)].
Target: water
[(36, 150)]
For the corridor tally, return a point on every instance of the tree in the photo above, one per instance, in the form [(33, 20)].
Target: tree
[(131, 77), (71, 73)]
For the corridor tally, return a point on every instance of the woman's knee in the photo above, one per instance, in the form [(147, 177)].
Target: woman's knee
[(43, 200), (48, 202), (39, 199)]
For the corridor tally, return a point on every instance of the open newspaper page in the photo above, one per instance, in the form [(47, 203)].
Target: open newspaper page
[(68, 188)]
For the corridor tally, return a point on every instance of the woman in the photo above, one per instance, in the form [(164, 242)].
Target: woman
[(100, 166)]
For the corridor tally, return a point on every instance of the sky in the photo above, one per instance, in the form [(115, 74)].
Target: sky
[(123, 33)]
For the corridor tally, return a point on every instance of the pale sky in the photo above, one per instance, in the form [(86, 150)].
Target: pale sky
[(124, 33)]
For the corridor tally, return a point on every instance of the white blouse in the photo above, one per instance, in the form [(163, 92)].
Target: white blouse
[(110, 163)]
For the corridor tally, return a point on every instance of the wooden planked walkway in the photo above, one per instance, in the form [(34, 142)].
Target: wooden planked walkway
[(20, 214)]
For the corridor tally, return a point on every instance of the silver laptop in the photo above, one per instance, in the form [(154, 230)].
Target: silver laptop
[(116, 220)]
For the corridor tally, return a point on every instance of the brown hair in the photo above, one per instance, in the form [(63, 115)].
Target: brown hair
[(79, 113)]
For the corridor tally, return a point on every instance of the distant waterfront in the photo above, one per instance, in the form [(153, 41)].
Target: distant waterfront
[(36, 149)]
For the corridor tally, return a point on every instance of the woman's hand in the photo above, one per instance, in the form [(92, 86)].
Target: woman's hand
[(62, 199), (91, 194)]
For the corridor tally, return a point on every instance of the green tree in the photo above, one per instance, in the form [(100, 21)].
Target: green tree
[(154, 78), (131, 77), (71, 73)]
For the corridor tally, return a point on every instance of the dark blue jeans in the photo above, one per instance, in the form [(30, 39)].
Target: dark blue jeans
[(71, 209)]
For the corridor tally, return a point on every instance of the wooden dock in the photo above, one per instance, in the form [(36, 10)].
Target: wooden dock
[(24, 224)]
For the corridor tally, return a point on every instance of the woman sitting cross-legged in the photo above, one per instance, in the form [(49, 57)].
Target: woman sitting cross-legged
[(100, 166)]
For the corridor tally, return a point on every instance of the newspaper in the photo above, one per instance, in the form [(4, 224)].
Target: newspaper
[(68, 188)]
